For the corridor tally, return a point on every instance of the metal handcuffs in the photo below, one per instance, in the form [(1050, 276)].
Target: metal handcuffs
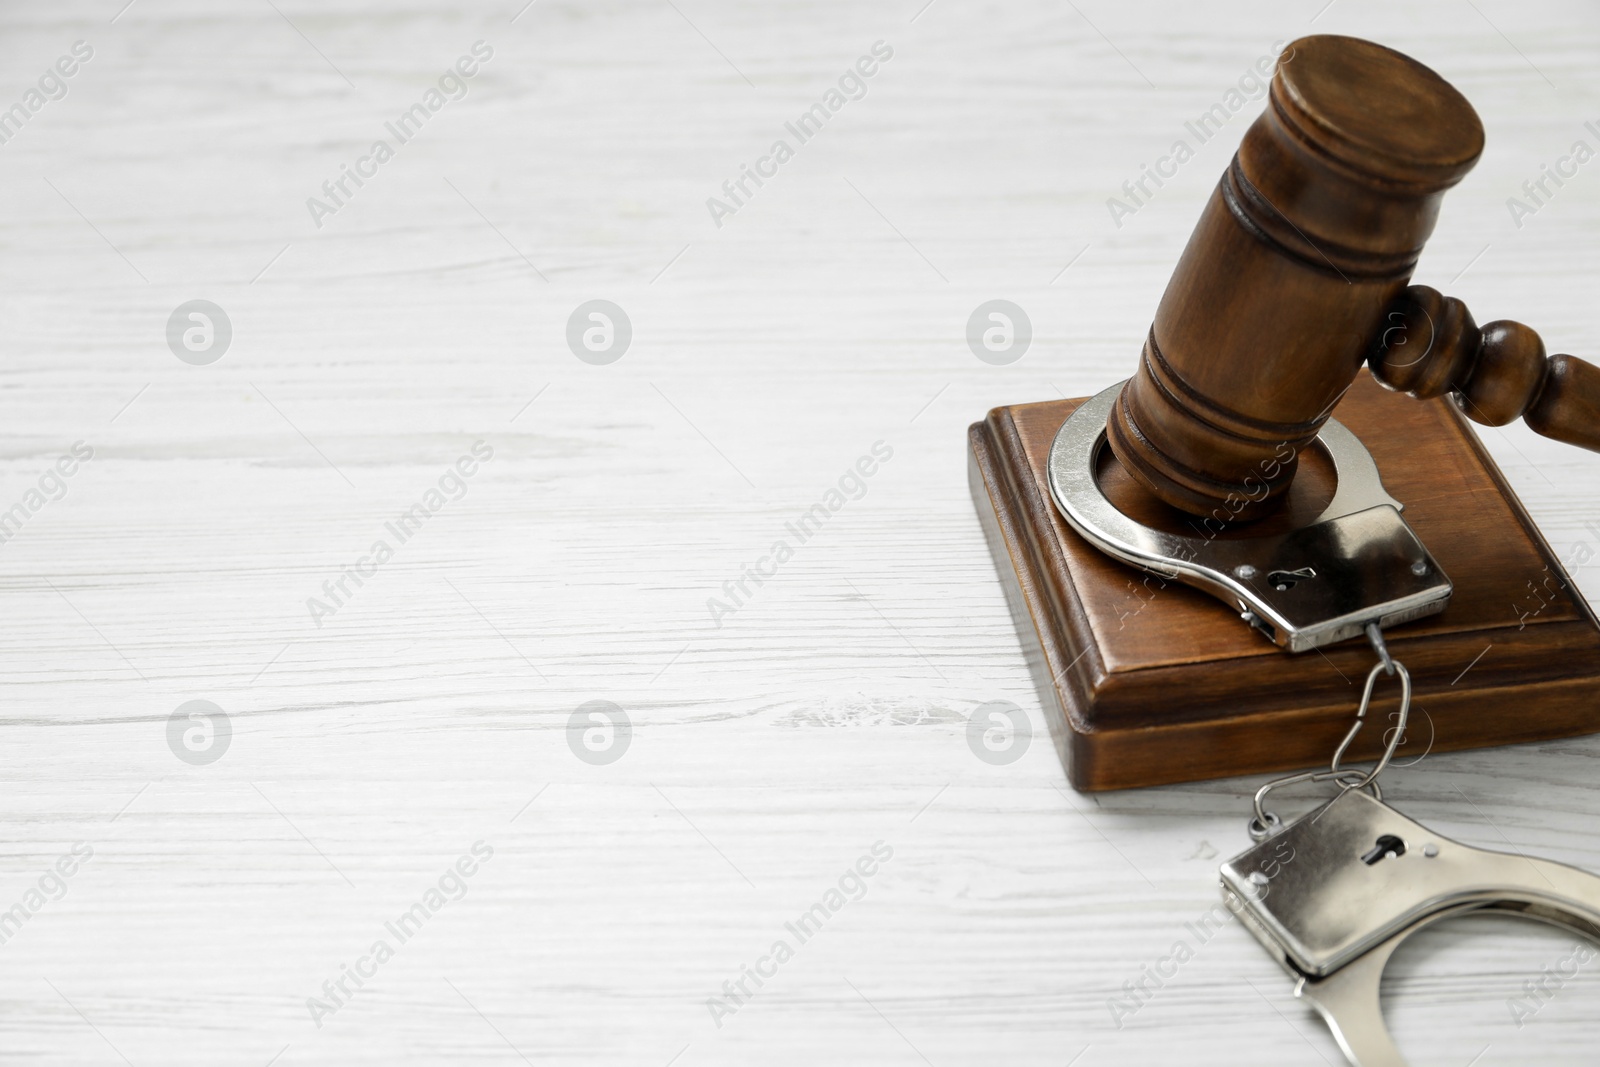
[(1363, 877)]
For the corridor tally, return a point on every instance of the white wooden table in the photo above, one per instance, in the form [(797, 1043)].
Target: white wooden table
[(430, 709)]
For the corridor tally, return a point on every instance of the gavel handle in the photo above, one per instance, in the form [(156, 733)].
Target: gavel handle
[(1430, 346)]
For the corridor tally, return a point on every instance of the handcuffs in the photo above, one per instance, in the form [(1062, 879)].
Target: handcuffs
[(1361, 877)]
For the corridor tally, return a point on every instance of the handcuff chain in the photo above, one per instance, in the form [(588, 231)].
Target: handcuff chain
[(1261, 825)]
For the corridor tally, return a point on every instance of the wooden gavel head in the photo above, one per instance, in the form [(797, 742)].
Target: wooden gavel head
[(1298, 272)]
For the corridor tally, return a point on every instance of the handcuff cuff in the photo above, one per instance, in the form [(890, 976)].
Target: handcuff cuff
[(1362, 877)]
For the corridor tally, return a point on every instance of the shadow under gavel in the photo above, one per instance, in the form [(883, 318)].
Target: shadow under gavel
[(1299, 272)]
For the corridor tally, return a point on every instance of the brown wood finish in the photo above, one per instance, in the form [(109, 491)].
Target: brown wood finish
[(1147, 682), (1311, 235), (1496, 373)]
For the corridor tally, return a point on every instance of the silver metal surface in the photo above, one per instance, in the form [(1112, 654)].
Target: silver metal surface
[(1263, 822), (1349, 882), (1355, 564)]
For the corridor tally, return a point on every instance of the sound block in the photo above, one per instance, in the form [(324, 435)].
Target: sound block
[(1146, 682)]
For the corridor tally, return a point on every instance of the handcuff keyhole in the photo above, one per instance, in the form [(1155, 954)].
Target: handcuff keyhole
[(1283, 581), (1387, 846)]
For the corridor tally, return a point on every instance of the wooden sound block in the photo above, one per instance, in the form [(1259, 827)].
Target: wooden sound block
[(1147, 682)]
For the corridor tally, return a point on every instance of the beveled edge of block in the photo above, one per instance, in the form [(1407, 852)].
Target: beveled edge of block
[(1071, 679)]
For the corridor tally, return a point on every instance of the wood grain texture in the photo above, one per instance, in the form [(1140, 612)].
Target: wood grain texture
[(1149, 682), (830, 711), (1496, 374), (1280, 295)]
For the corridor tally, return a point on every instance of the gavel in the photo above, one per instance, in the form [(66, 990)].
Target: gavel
[(1299, 272)]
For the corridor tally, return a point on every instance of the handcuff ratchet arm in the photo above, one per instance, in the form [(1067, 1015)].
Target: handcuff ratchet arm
[(1352, 880)]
